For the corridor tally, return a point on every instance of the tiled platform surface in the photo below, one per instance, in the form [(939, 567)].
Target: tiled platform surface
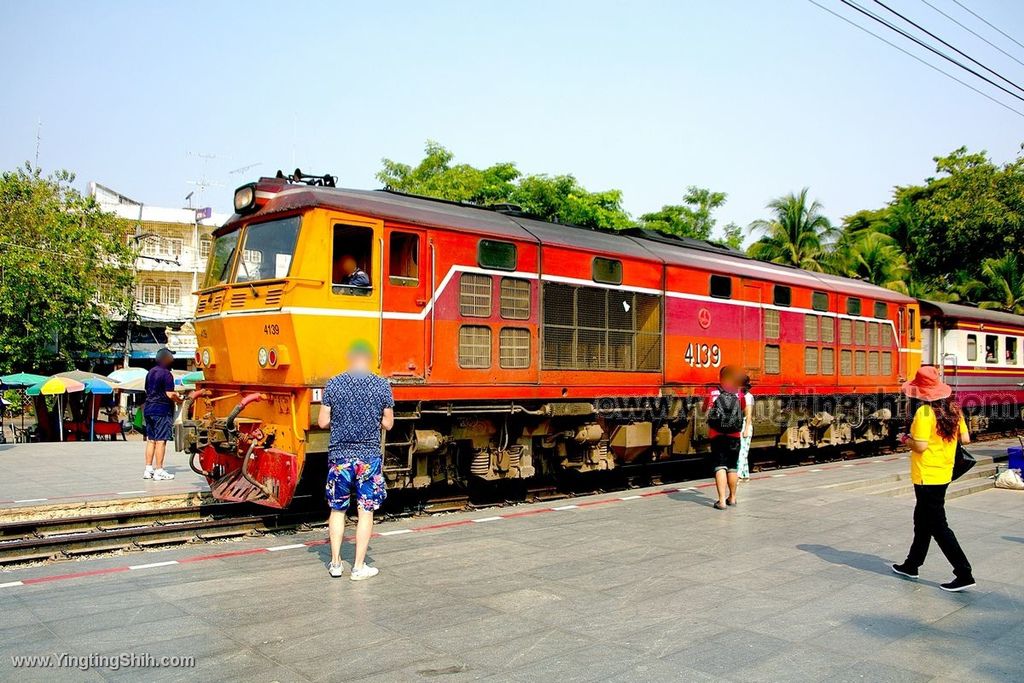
[(40, 474), (792, 584)]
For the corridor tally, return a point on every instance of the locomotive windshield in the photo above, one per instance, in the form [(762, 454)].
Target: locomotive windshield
[(267, 250)]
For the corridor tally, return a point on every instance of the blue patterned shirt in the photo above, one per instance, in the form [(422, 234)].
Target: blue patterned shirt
[(357, 401)]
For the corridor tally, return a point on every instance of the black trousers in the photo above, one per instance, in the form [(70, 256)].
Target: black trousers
[(930, 522)]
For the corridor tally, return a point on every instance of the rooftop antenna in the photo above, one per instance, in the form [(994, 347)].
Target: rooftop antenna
[(188, 198), (203, 182), (39, 137), (243, 169)]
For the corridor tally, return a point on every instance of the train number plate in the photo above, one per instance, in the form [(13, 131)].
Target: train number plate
[(703, 355)]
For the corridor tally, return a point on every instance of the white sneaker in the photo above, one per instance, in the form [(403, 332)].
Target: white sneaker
[(364, 572), (336, 570), (162, 475), (148, 474)]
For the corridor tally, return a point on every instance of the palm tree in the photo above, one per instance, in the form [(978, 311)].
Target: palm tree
[(798, 234), (876, 258), (1001, 285)]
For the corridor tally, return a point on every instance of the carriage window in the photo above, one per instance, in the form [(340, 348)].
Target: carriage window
[(268, 250), (972, 347), (783, 296), (772, 360), (515, 298), (819, 301), (991, 348), (497, 255), (475, 295), (881, 309), (514, 348), (721, 287), (353, 247), (1011, 350), (913, 324), (474, 346), (853, 306), (607, 271), (404, 259)]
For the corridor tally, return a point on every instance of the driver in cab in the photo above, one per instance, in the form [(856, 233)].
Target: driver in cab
[(348, 273)]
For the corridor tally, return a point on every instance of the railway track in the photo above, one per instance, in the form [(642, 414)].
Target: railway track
[(56, 539), (69, 538)]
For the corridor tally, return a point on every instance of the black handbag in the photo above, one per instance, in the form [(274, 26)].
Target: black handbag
[(963, 461)]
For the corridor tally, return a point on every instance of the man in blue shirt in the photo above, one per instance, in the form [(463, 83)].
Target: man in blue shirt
[(348, 273), (158, 412), (356, 405)]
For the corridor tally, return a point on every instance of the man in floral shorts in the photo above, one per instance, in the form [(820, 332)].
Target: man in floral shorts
[(356, 405)]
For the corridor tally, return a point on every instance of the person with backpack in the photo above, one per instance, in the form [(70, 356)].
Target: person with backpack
[(725, 416)]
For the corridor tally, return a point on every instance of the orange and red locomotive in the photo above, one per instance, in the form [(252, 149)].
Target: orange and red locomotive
[(515, 347)]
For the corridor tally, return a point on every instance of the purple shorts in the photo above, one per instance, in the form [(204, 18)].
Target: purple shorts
[(354, 475)]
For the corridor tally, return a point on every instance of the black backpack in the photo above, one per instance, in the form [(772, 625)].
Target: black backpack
[(726, 414)]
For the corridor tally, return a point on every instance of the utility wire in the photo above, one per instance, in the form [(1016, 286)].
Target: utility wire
[(888, 24), (951, 47), (973, 32), (987, 23), (913, 56)]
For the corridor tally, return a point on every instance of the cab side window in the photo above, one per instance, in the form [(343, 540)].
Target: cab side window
[(351, 259), (403, 259)]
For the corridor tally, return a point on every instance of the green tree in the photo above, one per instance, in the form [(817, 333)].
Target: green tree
[(559, 198), (65, 269), (692, 218), (871, 256), (1001, 285), (797, 234), (733, 236)]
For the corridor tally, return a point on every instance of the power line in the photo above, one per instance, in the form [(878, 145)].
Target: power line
[(987, 23), (930, 48), (951, 47), (913, 56), (973, 32)]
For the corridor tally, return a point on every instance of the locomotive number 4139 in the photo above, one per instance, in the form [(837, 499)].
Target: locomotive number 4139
[(703, 355)]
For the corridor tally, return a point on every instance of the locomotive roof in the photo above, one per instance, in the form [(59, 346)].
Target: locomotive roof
[(633, 243), (961, 312)]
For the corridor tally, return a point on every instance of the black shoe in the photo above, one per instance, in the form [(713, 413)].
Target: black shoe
[(958, 584), (904, 570)]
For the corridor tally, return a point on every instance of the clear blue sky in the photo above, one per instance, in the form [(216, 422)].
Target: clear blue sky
[(753, 98)]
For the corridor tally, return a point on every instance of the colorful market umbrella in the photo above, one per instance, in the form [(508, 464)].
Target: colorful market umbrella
[(188, 381), (139, 384), (80, 375), (99, 386), (57, 386), (21, 380), (127, 374)]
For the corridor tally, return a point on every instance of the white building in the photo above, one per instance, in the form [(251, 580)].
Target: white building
[(173, 248)]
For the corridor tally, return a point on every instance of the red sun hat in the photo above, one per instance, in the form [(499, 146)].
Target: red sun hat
[(927, 386)]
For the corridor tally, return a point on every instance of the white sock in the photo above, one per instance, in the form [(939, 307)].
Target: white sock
[(149, 468)]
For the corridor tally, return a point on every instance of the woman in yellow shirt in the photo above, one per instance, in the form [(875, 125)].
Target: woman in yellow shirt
[(938, 425)]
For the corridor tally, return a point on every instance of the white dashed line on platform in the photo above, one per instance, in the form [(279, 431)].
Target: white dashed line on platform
[(396, 532), (128, 493), (291, 546), (487, 519), (153, 564), (817, 470), (11, 584), (32, 500), (776, 476), (629, 498), (565, 507)]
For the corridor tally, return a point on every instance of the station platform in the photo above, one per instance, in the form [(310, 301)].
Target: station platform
[(63, 477), (644, 585)]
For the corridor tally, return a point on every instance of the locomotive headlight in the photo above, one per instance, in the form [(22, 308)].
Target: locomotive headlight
[(245, 198), (207, 358), (272, 356), (262, 357)]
